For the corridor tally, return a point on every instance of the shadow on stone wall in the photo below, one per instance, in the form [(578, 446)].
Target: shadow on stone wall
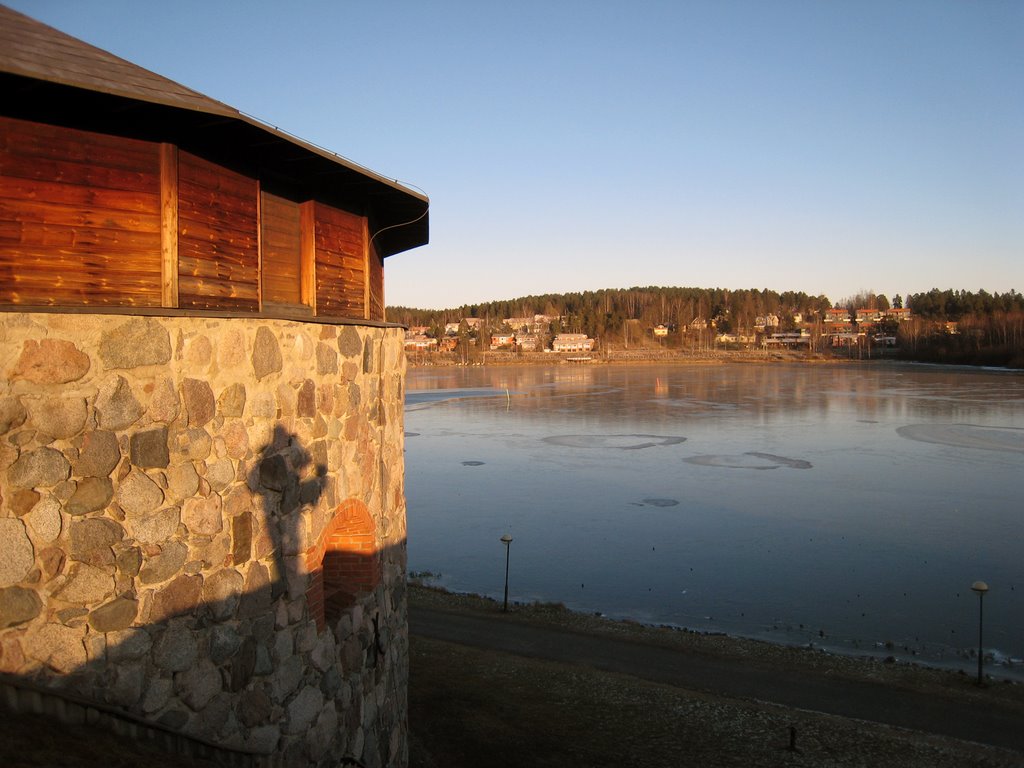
[(227, 652)]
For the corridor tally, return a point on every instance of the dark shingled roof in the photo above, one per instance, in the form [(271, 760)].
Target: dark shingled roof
[(48, 76), (32, 49)]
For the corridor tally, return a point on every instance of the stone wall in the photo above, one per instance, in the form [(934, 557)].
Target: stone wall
[(166, 485)]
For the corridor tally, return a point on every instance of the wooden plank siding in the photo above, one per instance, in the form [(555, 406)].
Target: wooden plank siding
[(340, 242), (218, 265), (169, 225), (281, 247), (88, 219), (308, 254), (376, 270), (79, 217)]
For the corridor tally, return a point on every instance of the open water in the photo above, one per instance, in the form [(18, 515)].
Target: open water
[(845, 506)]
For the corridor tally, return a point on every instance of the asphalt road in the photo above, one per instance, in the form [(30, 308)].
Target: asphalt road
[(991, 725)]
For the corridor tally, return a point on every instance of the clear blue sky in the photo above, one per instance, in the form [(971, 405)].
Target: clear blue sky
[(815, 145)]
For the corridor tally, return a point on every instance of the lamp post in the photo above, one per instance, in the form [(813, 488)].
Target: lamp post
[(981, 588), (507, 541)]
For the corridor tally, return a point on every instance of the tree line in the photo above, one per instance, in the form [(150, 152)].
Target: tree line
[(989, 327), (988, 330), (606, 314), (954, 305)]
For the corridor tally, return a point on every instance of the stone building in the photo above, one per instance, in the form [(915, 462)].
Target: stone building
[(202, 512)]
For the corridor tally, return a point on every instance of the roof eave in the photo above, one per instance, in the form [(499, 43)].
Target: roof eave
[(399, 219)]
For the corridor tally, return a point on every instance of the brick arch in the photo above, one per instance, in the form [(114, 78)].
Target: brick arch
[(344, 563)]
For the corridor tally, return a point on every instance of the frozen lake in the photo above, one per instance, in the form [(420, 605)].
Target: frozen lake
[(848, 506)]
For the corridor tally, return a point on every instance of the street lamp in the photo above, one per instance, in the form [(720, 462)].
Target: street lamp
[(981, 588), (506, 540)]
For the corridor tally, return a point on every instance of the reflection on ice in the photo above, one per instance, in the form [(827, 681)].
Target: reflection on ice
[(748, 460), (431, 396), (661, 502), (697, 405), (622, 442), (966, 436)]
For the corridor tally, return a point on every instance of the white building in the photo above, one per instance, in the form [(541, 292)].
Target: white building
[(572, 342)]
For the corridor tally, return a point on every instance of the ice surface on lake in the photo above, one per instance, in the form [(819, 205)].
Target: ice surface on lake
[(911, 492), (749, 460), (433, 396), (966, 436), (624, 442)]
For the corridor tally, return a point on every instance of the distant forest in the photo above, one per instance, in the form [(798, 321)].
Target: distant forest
[(989, 326), (602, 314)]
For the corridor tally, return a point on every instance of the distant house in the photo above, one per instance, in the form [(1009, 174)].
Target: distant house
[(762, 323), (801, 338), (519, 324), (841, 327), (660, 331), (846, 339), (901, 314), (448, 343), (527, 342), (837, 316), (420, 343), (572, 342), (868, 315), (530, 323), (502, 340), (735, 338), (698, 324)]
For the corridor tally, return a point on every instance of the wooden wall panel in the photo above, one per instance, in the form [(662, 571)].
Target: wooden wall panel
[(307, 253), (218, 257), (91, 219), (281, 240), (79, 217), (169, 225), (340, 263), (376, 266)]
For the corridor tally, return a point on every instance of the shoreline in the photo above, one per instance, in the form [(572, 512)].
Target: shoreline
[(421, 360), (621, 357), (721, 642)]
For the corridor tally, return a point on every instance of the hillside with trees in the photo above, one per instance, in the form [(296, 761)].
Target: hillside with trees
[(610, 314), (947, 326), (964, 327)]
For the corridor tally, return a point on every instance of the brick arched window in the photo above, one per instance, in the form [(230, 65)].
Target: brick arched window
[(344, 564)]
